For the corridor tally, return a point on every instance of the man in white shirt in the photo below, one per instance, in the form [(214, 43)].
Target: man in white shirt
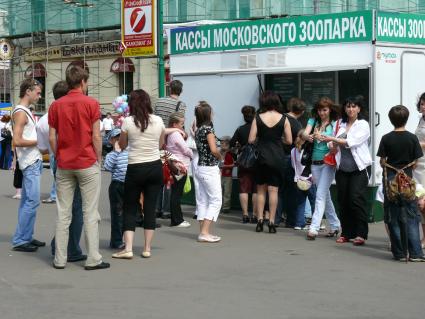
[(25, 141), (108, 123)]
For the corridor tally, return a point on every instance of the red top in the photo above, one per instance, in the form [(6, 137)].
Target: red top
[(228, 160), (73, 116)]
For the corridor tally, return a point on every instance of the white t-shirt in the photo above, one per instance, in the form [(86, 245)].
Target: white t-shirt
[(43, 133), (143, 146), (30, 154), (108, 124)]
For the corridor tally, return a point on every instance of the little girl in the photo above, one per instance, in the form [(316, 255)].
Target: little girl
[(303, 179)]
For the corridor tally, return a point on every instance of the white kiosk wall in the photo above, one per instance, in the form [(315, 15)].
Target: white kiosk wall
[(398, 80), (225, 93)]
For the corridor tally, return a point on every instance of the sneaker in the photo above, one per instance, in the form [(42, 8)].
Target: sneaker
[(297, 228), (49, 200), (307, 227), (183, 224), (322, 226), (417, 259), (17, 196)]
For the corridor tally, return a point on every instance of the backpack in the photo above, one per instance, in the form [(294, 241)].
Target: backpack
[(401, 186)]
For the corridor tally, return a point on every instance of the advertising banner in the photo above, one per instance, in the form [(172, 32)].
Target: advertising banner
[(283, 32), (138, 27), (400, 27)]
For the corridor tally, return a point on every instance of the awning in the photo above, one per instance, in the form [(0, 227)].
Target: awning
[(79, 63), (122, 65), (37, 72)]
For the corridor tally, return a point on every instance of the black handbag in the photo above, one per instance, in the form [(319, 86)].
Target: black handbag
[(307, 154), (307, 151), (248, 156)]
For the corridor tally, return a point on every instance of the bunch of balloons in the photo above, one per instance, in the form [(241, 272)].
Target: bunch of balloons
[(120, 105)]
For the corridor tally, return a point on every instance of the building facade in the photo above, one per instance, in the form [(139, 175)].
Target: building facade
[(50, 35)]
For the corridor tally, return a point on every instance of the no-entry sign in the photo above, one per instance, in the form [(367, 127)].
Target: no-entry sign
[(138, 27)]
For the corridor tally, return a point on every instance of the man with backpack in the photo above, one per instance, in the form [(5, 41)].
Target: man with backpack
[(399, 150)]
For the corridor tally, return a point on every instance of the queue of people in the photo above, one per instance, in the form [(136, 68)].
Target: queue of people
[(294, 165)]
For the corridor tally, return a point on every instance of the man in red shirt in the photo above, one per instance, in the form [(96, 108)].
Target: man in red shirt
[(74, 137)]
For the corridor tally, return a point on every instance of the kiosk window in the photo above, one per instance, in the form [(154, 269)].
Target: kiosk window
[(352, 83), (317, 85)]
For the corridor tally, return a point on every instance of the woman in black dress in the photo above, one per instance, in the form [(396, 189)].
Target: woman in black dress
[(271, 129)]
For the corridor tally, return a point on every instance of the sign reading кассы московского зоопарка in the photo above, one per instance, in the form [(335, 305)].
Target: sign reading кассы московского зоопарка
[(291, 31)]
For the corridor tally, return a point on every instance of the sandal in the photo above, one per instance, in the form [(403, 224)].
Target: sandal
[(358, 241), (342, 240)]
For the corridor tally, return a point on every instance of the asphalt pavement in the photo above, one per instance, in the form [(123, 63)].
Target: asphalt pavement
[(247, 275)]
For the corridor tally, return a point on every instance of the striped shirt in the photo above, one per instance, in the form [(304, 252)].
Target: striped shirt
[(116, 163), (166, 106)]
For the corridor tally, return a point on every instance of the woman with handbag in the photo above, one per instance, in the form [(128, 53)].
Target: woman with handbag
[(325, 114), (245, 175), (176, 145), (271, 129), (352, 160)]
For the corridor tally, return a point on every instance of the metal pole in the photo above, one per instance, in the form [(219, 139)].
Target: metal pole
[(161, 70)]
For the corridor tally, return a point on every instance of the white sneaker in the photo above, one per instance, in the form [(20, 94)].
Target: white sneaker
[(297, 228), (16, 196), (183, 224)]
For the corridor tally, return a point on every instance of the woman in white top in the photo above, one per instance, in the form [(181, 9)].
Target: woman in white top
[(353, 159), (143, 132)]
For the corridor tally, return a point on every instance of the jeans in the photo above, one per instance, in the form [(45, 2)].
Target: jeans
[(300, 200), (323, 176), (52, 161), (403, 226), (176, 196), (351, 188), (5, 156), (116, 202), (89, 181), (309, 205), (76, 227), (30, 200)]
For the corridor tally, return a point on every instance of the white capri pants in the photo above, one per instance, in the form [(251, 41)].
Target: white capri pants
[(208, 194)]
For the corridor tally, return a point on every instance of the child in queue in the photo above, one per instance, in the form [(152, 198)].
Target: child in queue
[(226, 173), (116, 162)]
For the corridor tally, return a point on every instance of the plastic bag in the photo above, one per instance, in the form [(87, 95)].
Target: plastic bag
[(187, 185)]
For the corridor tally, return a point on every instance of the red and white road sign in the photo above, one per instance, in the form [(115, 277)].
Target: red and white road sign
[(138, 27)]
